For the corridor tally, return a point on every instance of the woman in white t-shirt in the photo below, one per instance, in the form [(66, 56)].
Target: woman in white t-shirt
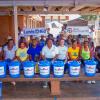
[(50, 51), (9, 50), (62, 50)]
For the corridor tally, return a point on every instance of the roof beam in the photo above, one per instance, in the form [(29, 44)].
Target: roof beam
[(78, 8), (36, 2)]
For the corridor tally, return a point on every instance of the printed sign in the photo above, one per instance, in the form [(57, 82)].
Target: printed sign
[(76, 30), (34, 31)]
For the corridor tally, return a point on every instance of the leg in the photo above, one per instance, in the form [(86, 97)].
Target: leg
[(55, 87)]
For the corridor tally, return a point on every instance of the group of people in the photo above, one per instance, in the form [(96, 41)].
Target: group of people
[(61, 48)]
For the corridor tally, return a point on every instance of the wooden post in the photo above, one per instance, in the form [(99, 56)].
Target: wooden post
[(16, 25), (55, 87)]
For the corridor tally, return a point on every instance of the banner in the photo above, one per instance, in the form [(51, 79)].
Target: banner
[(76, 30), (34, 31)]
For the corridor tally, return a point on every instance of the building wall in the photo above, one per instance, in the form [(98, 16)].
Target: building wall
[(7, 27)]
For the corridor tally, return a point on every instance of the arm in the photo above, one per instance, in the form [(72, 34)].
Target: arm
[(80, 53), (96, 56), (56, 53), (43, 54), (56, 56)]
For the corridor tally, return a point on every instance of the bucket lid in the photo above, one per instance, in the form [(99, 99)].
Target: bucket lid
[(58, 63), (16, 63), (74, 63), (90, 62), (3, 63), (44, 63), (28, 63)]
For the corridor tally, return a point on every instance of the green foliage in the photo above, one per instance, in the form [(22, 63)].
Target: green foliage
[(89, 17)]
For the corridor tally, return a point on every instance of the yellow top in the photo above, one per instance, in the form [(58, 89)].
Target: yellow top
[(74, 53), (22, 53)]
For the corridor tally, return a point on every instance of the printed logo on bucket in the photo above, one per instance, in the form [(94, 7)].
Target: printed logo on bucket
[(90, 69), (1, 70), (44, 70), (75, 70), (58, 70), (29, 71), (14, 70)]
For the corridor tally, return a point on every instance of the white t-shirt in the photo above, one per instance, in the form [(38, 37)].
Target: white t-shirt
[(10, 54), (49, 53), (62, 52)]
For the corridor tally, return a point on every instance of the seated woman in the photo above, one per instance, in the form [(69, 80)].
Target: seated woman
[(73, 51), (62, 50), (86, 54), (9, 51), (34, 51), (85, 51), (97, 57), (49, 52), (21, 53), (62, 53)]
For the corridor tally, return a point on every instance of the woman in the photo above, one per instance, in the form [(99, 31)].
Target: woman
[(86, 54), (21, 52), (9, 51), (34, 51), (97, 57), (85, 51), (62, 50), (73, 51), (49, 52)]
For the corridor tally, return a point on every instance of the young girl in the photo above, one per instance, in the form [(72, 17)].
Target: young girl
[(21, 52)]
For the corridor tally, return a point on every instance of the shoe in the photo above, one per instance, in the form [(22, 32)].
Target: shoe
[(45, 85), (13, 83), (89, 82), (93, 82)]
